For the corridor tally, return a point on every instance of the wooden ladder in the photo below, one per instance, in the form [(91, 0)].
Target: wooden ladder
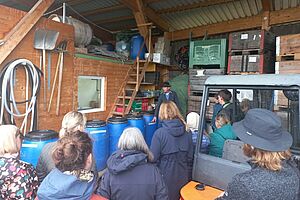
[(130, 86)]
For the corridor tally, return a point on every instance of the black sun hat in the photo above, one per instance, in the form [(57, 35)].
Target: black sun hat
[(166, 84), (262, 129)]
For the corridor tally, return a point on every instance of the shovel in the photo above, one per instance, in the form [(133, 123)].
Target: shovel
[(45, 40)]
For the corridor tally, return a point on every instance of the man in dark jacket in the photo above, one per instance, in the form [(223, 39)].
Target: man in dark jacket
[(167, 95)]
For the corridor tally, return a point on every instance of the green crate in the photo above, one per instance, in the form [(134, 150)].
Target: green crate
[(136, 105), (208, 53)]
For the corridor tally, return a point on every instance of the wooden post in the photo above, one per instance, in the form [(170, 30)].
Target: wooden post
[(16, 35)]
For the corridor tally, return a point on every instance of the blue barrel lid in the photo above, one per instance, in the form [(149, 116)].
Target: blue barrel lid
[(41, 135), (150, 112), (136, 116), (95, 123), (117, 120)]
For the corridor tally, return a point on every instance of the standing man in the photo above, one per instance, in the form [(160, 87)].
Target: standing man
[(167, 95)]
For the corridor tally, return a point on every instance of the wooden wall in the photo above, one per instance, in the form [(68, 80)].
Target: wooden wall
[(72, 67)]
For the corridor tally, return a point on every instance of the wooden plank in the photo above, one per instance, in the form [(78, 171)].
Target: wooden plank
[(156, 19), (15, 36), (289, 44), (193, 6), (217, 28), (285, 16), (276, 17)]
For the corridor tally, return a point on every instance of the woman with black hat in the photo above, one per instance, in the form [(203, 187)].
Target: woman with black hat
[(273, 175)]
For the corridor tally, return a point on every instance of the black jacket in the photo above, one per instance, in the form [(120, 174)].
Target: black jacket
[(172, 148), (162, 98), (263, 184), (130, 176)]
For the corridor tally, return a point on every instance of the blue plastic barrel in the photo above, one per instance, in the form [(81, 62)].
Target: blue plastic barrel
[(136, 121), (98, 132), (136, 43), (115, 127), (150, 127), (33, 144)]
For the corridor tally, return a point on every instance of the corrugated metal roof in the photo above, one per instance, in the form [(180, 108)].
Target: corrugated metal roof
[(211, 14), (183, 19)]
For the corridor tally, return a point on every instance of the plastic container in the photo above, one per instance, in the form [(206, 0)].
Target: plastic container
[(33, 144), (137, 121), (136, 43), (150, 127), (98, 132), (115, 127)]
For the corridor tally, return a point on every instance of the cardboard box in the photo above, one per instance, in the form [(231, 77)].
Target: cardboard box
[(159, 58)]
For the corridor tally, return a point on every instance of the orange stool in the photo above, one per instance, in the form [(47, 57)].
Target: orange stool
[(188, 192)]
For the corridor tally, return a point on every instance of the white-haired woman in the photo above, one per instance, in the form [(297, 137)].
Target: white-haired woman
[(73, 121), (130, 174), (18, 180)]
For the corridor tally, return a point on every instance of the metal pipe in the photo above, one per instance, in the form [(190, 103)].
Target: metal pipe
[(64, 12)]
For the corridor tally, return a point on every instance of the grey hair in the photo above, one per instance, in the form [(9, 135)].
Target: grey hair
[(132, 139)]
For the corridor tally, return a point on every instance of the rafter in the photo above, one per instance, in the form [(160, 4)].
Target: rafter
[(266, 5), (276, 17), (139, 10), (103, 10), (116, 19), (193, 6)]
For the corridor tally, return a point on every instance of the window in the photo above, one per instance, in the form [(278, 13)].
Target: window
[(284, 102), (91, 94)]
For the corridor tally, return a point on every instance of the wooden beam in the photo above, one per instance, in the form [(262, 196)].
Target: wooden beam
[(217, 28), (16, 35), (116, 19), (276, 17), (266, 5), (137, 8), (285, 16), (156, 19), (193, 6), (103, 10)]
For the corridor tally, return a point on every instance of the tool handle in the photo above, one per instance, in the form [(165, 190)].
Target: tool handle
[(54, 81), (59, 83), (44, 78)]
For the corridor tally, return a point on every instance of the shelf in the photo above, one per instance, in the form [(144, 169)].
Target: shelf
[(145, 97)]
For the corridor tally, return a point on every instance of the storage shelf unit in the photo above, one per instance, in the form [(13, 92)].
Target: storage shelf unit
[(208, 54)]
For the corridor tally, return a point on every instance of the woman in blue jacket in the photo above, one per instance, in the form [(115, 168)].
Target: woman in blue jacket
[(71, 178), (172, 148)]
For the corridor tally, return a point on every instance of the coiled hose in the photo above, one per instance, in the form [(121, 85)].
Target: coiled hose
[(8, 102)]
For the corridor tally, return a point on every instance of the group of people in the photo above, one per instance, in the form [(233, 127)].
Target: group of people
[(66, 168)]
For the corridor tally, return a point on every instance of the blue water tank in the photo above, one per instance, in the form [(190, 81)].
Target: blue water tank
[(98, 132), (136, 121), (115, 127), (150, 127), (136, 43), (33, 144)]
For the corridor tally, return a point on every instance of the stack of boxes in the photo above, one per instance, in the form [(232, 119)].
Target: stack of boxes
[(288, 60), (161, 51), (251, 52), (207, 57)]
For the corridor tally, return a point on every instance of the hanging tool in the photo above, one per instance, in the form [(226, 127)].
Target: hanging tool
[(45, 40), (59, 67), (64, 47)]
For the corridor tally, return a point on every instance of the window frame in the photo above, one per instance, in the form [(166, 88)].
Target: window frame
[(102, 93)]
